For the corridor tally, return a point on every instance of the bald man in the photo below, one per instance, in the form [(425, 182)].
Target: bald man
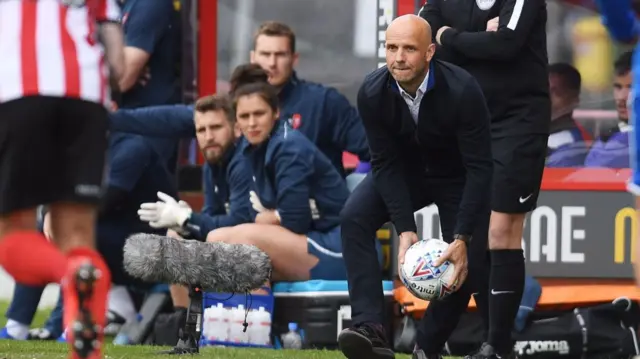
[(428, 130)]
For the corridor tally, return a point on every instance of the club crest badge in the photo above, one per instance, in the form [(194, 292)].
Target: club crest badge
[(295, 121)]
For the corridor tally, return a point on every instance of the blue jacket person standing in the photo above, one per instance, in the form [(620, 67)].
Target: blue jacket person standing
[(425, 149), (150, 33), (151, 46)]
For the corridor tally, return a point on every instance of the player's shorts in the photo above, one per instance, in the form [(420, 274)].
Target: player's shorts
[(518, 164), (51, 149), (327, 246)]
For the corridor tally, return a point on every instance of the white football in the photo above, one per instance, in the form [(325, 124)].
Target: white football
[(420, 276)]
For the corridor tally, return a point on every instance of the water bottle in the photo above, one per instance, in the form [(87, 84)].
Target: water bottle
[(260, 327), (292, 339), (206, 327), (236, 327), (216, 323)]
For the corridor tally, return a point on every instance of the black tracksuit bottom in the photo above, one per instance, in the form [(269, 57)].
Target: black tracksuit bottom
[(365, 212)]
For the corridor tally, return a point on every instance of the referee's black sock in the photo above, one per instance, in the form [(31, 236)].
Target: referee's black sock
[(506, 285)]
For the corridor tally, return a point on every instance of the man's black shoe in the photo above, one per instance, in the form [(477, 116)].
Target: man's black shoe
[(365, 341), (488, 352)]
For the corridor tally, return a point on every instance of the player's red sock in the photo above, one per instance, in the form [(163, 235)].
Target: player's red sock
[(31, 259), (95, 303)]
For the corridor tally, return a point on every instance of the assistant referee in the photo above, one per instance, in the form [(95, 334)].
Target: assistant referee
[(428, 129), (503, 44)]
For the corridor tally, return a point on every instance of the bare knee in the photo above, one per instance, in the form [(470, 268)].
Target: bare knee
[(227, 235), (505, 231), (73, 225), (248, 233)]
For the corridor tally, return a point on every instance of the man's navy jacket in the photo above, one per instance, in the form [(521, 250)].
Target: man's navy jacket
[(451, 141), (326, 117), (226, 194), (226, 184)]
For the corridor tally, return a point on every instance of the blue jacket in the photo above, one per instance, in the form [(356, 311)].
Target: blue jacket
[(226, 184), (134, 167), (320, 113), (289, 174), (226, 194), (169, 121), (151, 26), (621, 20), (326, 117)]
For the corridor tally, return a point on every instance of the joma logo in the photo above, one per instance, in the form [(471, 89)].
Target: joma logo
[(541, 346)]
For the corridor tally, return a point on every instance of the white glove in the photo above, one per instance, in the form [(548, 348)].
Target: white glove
[(257, 205), (255, 202), (181, 230), (166, 213)]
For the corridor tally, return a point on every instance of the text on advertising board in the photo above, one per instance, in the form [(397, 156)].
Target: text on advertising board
[(571, 234)]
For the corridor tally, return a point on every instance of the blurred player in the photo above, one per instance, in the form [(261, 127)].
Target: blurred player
[(621, 18), (53, 121)]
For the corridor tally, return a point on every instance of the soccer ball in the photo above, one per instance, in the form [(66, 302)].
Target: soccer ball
[(419, 275)]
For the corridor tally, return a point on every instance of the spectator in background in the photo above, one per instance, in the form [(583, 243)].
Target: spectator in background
[(323, 114), (567, 145), (612, 148)]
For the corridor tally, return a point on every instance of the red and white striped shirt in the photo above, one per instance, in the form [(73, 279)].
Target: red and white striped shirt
[(51, 49)]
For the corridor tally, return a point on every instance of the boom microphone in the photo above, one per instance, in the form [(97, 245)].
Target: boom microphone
[(216, 266)]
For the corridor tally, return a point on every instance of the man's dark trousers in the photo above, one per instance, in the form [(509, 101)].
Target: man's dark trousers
[(365, 212)]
